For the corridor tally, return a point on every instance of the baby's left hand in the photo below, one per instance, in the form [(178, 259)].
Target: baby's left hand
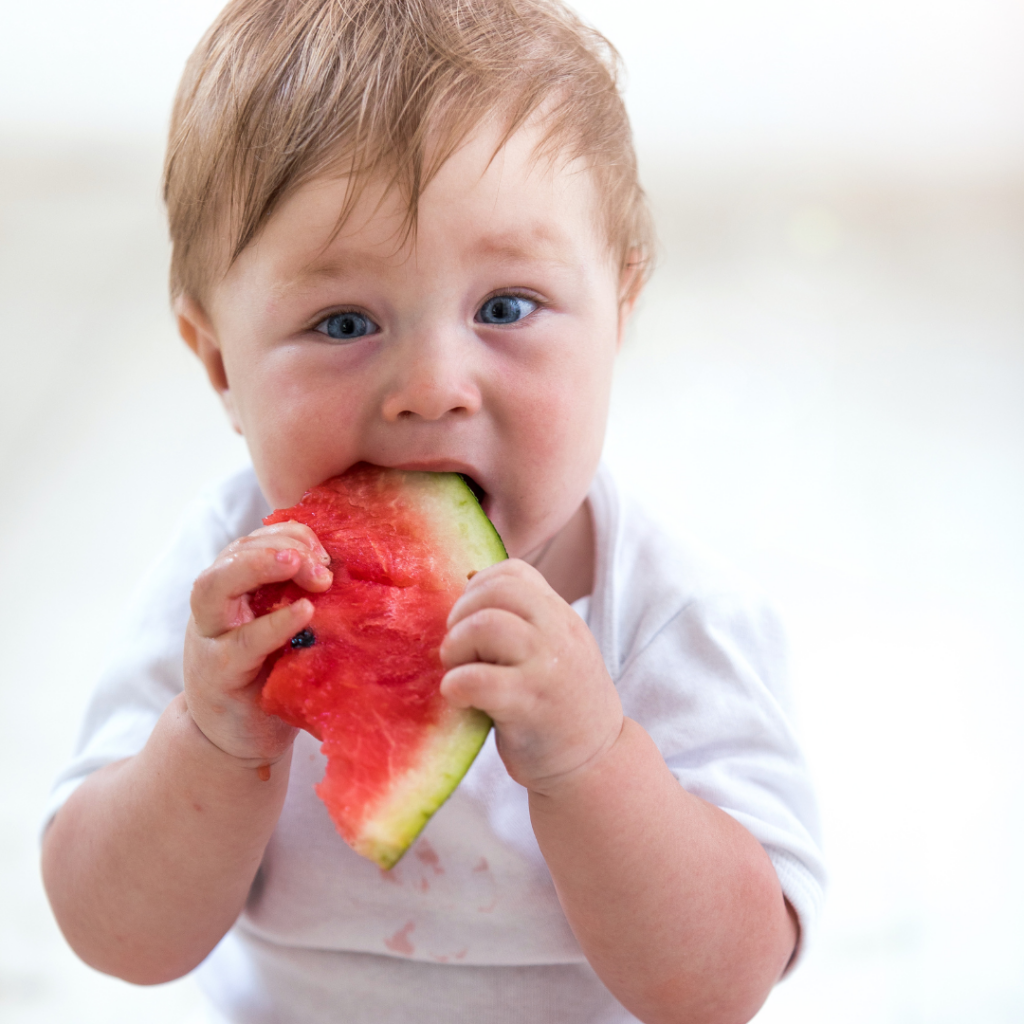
[(517, 651)]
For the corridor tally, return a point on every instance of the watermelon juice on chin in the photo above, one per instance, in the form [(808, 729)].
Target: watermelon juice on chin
[(364, 676)]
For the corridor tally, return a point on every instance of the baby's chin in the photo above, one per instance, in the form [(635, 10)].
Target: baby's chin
[(505, 525), (523, 537)]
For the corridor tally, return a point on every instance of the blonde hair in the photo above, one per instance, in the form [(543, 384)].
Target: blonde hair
[(279, 92)]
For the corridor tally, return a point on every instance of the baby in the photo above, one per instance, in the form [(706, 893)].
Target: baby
[(410, 233)]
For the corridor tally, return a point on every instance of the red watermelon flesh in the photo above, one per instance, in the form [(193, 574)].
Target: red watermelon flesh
[(364, 677)]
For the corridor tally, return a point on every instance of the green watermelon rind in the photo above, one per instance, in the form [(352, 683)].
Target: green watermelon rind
[(463, 531), (392, 828), (459, 522)]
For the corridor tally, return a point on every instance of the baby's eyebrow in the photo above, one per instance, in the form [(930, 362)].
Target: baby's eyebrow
[(536, 245), (340, 264), (532, 247)]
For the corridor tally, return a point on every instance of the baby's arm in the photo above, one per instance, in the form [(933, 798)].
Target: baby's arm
[(675, 904), (150, 861)]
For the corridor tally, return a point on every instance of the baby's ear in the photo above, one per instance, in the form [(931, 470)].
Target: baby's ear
[(198, 333), (631, 283)]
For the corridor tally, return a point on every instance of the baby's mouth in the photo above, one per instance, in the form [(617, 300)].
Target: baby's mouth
[(479, 493), (450, 466)]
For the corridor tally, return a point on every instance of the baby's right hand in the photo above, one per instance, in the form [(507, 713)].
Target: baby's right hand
[(226, 644)]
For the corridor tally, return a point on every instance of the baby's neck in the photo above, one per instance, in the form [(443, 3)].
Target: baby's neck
[(567, 560)]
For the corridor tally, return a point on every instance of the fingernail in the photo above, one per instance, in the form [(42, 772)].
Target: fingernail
[(285, 556), (321, 572)]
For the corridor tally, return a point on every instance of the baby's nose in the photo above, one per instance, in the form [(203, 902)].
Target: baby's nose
[(431, 378)]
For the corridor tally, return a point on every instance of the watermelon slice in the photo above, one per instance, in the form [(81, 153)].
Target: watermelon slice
[(364, 676)]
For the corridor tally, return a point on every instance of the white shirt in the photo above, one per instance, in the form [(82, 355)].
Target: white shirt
[(468, 926)]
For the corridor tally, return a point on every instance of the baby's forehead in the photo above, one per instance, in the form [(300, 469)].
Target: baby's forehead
[(276, 88), (487, 204)]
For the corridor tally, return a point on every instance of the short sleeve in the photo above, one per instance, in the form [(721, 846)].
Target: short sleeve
[(144, 672), (710, 688)]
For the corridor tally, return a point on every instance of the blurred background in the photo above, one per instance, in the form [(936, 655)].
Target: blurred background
[(824, 382)]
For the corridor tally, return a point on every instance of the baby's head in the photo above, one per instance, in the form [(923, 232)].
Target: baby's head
[(408, 232)]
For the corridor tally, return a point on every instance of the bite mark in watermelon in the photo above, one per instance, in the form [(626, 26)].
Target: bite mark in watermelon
[(364, 676)]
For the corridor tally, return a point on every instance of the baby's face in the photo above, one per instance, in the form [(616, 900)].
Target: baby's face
[(483, 345)]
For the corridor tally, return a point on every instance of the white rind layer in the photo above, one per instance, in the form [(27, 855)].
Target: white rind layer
[(450, 749), (466, 542), (462, 535)]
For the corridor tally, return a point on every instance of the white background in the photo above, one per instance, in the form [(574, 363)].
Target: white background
[(825, 382), (878, 81)]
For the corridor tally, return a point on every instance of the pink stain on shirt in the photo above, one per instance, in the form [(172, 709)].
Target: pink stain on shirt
[(426, 854), (483, 865), (399, 942)]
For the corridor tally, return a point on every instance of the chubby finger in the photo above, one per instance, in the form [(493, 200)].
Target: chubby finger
[(513, 585), (231, 662), (218, 595), (298, 532), (247, 647), (313, 573), (494, 689), (491, 635)]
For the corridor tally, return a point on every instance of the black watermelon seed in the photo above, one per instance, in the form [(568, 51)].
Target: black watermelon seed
[(304, 639)]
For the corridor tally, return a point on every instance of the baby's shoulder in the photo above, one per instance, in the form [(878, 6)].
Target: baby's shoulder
[(673, 567), (231, 507), (223, 511), (652, 585)]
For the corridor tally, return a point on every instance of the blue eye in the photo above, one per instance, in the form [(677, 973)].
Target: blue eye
[(505, 309), (346, 326)]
